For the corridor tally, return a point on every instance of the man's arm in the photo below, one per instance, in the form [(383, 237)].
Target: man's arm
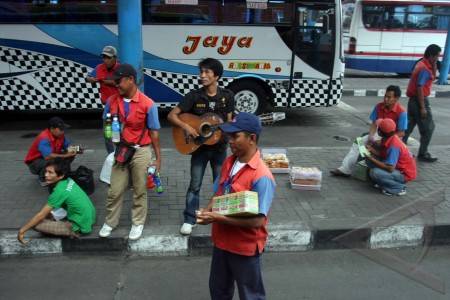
[(45, 150), (206, 217), (381, 164), (372, 131), (156, 148), (421, 99), (175, 120), (92, 76), (38, 218)]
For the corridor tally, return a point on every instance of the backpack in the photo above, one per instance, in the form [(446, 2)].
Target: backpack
[(84, 177)]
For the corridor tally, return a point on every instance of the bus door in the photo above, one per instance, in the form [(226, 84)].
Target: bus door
[(314, 44)]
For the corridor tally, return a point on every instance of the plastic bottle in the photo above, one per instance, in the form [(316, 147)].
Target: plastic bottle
[(115, 129), (157, 181), (108, 126), (150, 172)]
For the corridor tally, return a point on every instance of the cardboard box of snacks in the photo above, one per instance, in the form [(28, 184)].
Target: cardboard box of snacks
[(276, 159), (237, 204), (303, 178)]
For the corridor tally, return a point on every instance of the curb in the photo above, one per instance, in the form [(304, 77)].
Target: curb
[(282, 238), (380, 93)]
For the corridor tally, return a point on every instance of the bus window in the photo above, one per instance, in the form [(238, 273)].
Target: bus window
[(206, 12), (314, 37), (236, 12), (373, 16), (394, 17)]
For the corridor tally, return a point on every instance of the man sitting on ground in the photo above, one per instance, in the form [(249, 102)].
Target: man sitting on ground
[(65, 196), (50, 143), (388, 108), (396, 166)]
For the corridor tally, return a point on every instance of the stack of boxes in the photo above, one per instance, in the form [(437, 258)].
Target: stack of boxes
[(306, 178), (238, 204)]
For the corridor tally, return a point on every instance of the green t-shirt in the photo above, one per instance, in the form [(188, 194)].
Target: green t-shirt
[(80, 210)]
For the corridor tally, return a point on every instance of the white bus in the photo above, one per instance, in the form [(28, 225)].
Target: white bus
[(390, 36), (281, 54)]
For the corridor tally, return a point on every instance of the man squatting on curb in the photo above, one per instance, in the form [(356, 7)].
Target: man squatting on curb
[(209, 98), (50, 143), (389, 108), (67, 197), (394, 165), (239, 241), (138, 116)]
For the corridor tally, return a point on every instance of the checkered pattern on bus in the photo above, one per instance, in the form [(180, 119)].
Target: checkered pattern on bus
[(62, 80), (307, 93)]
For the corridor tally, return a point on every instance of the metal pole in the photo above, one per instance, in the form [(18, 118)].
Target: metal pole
[(130, 36), (443, 72)]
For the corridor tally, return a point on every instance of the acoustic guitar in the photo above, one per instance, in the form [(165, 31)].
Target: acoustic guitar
[(207, 125)]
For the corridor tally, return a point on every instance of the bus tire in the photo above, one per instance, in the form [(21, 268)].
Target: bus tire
[(249, 97)]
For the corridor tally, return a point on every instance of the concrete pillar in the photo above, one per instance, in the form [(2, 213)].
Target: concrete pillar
[(130, 36)]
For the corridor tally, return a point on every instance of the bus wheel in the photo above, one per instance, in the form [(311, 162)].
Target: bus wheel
[(249, 97)]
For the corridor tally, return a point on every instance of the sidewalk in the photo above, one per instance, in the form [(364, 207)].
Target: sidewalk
[(299, 220), (371, 86)]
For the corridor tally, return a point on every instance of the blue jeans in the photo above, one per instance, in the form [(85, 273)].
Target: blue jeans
[(227, 267), (199, 160), (393, 182)]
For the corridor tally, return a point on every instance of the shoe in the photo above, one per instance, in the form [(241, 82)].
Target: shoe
[(186, 229), (135, 232), (427, 158), (403, 192), (339, 173), (105, 231), (384, 192), (376, 186)]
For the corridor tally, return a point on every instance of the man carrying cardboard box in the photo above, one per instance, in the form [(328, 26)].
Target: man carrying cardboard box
[(239, 241)]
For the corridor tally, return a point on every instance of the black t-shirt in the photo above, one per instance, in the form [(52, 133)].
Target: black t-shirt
[(198, 102)]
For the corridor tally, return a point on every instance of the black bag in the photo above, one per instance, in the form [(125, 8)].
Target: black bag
[(124, 153), (84, 177)]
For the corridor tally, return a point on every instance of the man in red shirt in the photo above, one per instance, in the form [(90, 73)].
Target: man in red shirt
[(238, 241), (419, 110), (395, 165), (103, 74), (388, 108), (138, 116), (50, 143)]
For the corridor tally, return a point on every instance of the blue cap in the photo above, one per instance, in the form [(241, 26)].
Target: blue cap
[(243, 122)]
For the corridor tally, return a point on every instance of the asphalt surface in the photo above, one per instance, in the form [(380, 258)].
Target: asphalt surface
[(330, 274)]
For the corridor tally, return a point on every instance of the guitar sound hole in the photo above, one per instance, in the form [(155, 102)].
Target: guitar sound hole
[(206, 130)]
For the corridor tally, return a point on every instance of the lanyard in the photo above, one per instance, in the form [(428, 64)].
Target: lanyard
[(227, 184)]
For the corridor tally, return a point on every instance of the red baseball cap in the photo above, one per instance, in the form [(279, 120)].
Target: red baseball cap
[(386, 125)]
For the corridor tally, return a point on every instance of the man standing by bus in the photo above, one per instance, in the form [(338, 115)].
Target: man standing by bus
[(138, 116), (419, 110), (209, 98), (103, 74)]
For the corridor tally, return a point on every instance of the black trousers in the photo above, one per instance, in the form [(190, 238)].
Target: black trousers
[(227, 267), (426, 126)]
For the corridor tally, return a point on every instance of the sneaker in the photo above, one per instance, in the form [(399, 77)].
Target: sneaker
[(339, 173), (427, 158), (105, 231), (386, 193), (135, 232), (186, 229), (403, 192)]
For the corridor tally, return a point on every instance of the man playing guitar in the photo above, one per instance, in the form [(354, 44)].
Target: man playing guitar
[(207, 99)]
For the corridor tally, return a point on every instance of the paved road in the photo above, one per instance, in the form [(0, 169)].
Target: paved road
[(335, 275)]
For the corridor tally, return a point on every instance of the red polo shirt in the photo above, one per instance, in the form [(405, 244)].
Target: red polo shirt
[(139, 115), (423, 65), (397, 113), (102, 73), (397, 154), (254, 176), (56, 144)]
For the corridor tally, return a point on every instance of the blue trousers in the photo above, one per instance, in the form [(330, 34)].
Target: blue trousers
[(227, 267), (199, 161), (393, 182)]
